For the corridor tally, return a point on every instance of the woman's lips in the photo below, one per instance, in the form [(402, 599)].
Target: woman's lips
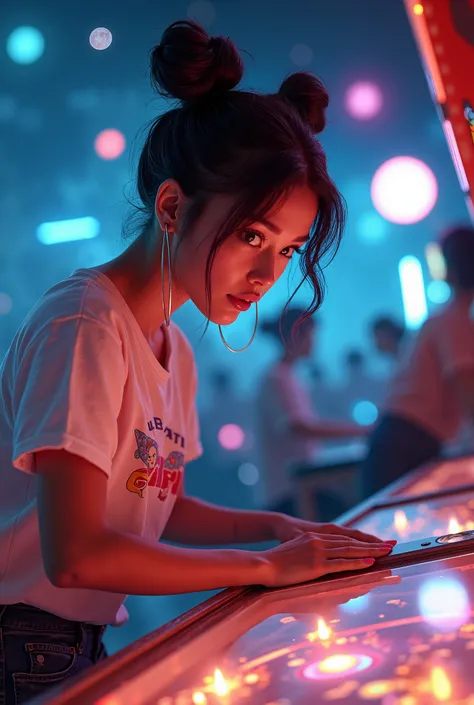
[(239, 304)]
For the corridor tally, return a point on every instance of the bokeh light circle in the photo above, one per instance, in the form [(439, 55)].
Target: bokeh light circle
[(100, 38), (248, 474), (438, 291), (231, 436), (365, 412), (444, 603), (6, 303), (336, 666), (404, 190), (371, 227), (109, 144), (25, 45), (364, 100), (301, 54)]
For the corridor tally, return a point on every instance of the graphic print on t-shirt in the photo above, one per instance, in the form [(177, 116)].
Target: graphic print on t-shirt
[(163, 474)]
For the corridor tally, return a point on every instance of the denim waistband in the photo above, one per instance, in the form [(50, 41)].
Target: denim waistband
[(30, 617)]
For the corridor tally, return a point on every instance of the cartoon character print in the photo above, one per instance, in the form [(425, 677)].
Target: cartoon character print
[(147, 451), (160, 473)]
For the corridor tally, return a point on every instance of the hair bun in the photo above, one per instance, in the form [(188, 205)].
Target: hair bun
[(309, 96), (188, 63)]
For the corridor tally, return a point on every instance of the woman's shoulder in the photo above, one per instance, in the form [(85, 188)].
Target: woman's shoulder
[(78, 298)]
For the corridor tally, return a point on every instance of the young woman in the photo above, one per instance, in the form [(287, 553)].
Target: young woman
[(288, 427), (97, 416)]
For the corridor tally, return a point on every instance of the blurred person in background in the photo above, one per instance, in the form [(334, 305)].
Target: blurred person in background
[(358, 384), (287, 425), (97, 390), (432, 392), (387, 335)]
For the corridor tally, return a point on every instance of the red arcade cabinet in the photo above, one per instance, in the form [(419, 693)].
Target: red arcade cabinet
[(444, 31)]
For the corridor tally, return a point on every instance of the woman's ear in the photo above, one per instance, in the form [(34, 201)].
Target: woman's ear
[(169, 204)]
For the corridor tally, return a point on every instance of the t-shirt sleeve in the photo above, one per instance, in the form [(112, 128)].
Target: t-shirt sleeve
[(67, 392), (455, 343)]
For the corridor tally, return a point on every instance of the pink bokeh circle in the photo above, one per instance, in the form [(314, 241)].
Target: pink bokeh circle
[(231, 436), (364, 100), (109, 144)]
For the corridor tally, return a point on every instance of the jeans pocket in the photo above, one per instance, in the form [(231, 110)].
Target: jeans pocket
[(49, 664)]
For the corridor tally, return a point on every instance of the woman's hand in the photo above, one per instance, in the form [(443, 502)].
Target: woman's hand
[(310, 555), (285, 528)]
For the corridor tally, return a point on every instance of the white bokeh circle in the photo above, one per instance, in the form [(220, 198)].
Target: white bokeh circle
[(404, 190)]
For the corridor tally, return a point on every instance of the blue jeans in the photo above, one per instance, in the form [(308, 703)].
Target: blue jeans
[(39, 650)]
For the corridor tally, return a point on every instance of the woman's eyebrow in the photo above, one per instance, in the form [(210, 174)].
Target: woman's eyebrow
[(275, 229)]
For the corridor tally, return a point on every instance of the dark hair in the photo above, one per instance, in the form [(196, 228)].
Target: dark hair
[(385, 324), (219, 140), (457, 246)]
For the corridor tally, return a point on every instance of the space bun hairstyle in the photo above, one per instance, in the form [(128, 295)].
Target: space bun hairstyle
[(219, 140)]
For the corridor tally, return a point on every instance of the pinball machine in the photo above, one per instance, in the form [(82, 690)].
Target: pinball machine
[(393, 635)]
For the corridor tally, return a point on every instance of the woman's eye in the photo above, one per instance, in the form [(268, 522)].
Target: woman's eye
[(252, 238), (290, 251)]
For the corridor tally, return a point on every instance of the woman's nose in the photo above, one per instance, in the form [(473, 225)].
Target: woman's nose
[(263, 273)]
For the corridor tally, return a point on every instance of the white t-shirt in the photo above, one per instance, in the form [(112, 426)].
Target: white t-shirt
[(81, 376), (421, 389), (282, 400)]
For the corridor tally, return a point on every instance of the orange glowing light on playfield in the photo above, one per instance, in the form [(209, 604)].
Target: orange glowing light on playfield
[(337, 663), (323, 630), (400, 521), (199, 698), (220, 685), (454, 526), (440, 684), (418, 9)]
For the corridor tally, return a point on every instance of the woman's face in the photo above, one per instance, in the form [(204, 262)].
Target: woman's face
[(249, 262)]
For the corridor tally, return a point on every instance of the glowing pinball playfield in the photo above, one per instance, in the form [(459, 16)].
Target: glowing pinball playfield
[(392, 636)]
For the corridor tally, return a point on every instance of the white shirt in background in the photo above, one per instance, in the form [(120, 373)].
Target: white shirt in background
[(282, 400), (421, 389), (81, 376)]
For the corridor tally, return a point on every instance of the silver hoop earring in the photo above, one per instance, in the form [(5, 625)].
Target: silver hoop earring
[(251, 339), (167, 241)]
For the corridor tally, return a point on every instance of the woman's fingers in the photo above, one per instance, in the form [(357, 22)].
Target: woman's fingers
[(353, 550), (336, 530), (341, 564)]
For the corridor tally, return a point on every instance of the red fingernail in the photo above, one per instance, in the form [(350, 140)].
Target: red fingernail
[(369, 561), (392, 541)]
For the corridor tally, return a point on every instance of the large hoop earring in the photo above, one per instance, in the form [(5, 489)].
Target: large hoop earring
[(166, 240), (251, 339)]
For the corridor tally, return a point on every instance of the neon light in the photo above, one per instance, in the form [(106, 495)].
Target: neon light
[(435, 261), (68, 230), (413, 291), (456, 156)]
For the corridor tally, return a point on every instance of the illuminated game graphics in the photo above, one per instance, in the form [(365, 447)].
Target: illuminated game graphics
[(469, 115), (413, 643), (447, 515)]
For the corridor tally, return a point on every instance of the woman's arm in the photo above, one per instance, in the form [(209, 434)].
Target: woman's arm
[(81, 551), (200, 523)]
